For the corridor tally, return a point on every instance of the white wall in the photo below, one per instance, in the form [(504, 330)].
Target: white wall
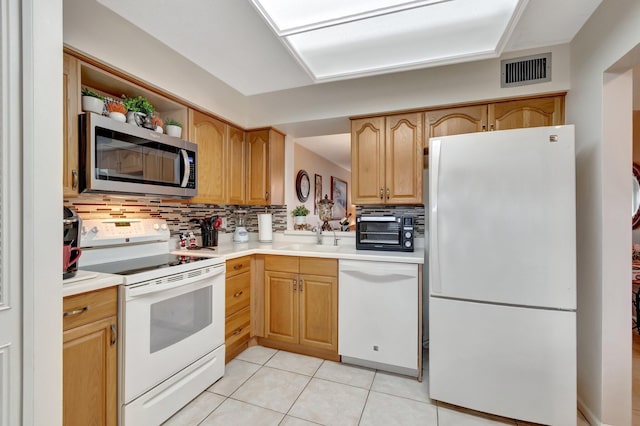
[(304, 159), (412, 89), (600, 107)]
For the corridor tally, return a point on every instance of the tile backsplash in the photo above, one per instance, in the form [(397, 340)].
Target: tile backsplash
[(416, 211), (177, 214)]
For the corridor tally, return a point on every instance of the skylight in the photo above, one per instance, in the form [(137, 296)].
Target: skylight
[(336, 38)]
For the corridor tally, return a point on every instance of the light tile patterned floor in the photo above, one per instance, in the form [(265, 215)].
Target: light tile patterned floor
[(264, 386)]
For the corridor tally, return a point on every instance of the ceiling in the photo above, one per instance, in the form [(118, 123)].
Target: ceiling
[(233, 41), (236, 42)]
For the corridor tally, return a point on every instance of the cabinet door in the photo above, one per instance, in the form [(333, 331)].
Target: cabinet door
[(367, 161), (456, 121), (70, 109), (404, 159), (90, 374), (526, 113), (276, 168), (237, 171), (281, 306), (318, 311), (209, 134), (257, 168)]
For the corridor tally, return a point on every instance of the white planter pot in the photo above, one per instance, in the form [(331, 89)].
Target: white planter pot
[(175, 131), (300, 220), (118, 116), (92, 104)]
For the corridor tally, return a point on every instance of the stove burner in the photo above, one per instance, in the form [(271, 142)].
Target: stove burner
[(142, 264)]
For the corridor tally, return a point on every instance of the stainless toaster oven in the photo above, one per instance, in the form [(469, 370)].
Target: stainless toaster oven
[(391, 233)]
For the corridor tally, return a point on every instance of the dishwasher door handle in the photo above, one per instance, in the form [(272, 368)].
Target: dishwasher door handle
[(382, 277)]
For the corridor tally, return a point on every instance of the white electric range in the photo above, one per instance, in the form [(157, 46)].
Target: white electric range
[(171, 316)]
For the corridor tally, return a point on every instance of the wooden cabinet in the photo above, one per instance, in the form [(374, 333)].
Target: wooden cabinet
[(237, 306), (237, 165), (533, 112), (386, 159), (70, 109), (301, 303), (210, 135), (264, 167), (90, 358)]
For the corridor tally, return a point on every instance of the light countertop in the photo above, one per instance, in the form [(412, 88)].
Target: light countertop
[(86, 281)]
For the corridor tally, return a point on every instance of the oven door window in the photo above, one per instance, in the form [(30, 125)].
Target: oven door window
[(179, 317), (126, 158), (379, 233)]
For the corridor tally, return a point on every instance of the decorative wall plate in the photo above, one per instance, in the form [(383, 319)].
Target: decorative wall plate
[(303, 186)]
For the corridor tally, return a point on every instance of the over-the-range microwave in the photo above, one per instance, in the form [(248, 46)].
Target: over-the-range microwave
[(118, 157), (387, 233)]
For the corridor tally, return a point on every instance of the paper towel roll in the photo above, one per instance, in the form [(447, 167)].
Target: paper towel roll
[(265, 231)]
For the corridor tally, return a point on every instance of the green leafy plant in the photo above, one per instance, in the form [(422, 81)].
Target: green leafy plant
[(138, 104), (88, 92), (301, 210), (172, 122)]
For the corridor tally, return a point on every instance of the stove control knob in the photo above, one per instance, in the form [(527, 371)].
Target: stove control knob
[(164, 227), (407, 244), (156, 226), (407, 234)]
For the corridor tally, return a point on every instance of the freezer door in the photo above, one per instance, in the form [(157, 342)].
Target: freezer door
[(502, 217), (510, 361)]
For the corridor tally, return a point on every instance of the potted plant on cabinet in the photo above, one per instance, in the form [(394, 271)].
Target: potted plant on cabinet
[(117, 111), (300, 217), (140, 111), (173, 127), (92, 101)]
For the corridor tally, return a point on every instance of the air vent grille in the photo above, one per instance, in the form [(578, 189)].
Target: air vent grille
[(525, 70)]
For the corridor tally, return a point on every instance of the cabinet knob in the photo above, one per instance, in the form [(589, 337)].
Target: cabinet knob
[(484, 127), (381, 193), (300, 285), (238, 266), (388, 193), (491, 128), (237, 294), (266, 196), (75, 311), (114, 334), (295, 285), (238, 331)]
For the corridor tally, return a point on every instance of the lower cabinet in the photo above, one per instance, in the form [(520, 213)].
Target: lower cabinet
[(301, 303), (90, 358), (237, 306)]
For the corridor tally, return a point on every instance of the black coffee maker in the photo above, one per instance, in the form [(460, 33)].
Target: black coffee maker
[(71, 226)]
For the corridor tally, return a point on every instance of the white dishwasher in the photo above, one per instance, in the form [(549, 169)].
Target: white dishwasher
[(378, 315)]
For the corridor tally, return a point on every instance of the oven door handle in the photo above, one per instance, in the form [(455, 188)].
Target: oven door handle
[(187, 168), (157, 286)]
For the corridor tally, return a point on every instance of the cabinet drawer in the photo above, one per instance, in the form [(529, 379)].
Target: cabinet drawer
[(88, 307), (238, 293), (237, 327), (238, 265), (319, 266), (281, 263)]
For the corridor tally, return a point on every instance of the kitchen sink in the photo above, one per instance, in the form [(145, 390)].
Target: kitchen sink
[(307, 247)]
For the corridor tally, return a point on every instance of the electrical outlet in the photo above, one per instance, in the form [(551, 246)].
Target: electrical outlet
[(224, 223)]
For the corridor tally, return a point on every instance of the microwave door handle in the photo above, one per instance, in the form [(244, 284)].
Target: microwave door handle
[(187, 169)]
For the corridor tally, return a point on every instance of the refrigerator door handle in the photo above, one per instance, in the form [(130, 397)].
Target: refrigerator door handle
[(434, 262)]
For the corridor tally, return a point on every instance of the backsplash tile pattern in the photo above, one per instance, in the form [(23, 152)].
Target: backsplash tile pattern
[(176, 213), (416, 211)]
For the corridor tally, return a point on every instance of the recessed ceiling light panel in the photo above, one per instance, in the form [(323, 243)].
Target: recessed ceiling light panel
[(342, 39)]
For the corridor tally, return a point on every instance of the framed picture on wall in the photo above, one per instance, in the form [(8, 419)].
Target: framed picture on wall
[(318, 193), (339, 197)]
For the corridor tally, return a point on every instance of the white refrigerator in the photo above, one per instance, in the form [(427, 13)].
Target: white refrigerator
[(502, 273)]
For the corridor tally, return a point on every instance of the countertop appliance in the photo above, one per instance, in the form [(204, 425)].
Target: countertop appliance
[(71, 225), (391, 233), (171, 316), (240, 235), (378, 312), (502, 273), (123, 158)]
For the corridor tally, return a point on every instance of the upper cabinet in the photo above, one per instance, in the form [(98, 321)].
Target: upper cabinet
[(211, 137), (533, 112), (237, 150), (70, 110), (264, 167), (386, 159)]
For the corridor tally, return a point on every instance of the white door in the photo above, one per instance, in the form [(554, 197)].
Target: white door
[(10, 260), (502, 217)]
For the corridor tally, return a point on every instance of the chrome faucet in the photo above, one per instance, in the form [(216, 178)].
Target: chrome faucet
[(335, 239), (319, 234)]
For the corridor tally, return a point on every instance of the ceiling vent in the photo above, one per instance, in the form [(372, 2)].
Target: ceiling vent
[(525, 70)]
